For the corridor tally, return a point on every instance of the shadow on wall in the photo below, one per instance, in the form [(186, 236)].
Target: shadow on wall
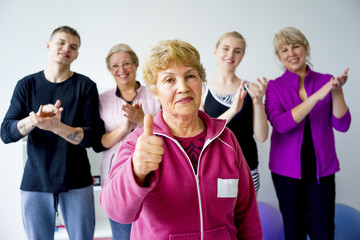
[(347, 222)]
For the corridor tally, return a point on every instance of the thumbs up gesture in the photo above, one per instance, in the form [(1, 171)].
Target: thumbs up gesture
[(148, 152)]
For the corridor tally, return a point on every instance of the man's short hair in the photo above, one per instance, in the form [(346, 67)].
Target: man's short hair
[(67, 29)]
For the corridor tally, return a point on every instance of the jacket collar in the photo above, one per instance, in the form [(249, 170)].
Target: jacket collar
[(293, 78), (214, 126)]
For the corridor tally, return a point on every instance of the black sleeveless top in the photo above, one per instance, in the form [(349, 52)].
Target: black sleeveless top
[(308, 158), (241, 125)]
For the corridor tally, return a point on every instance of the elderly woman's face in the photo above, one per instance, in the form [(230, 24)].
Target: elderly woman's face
[(293, 57), (122, 68), (178, 90)]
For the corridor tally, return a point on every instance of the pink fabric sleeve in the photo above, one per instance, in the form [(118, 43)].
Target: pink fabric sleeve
[(121, 197), (247, 217)]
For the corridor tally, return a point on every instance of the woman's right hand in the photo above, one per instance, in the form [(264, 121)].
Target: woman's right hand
[(335, 84), (148, 152), (303, 109), (325, 89), (238, 99), (134, 113), (236, 105)]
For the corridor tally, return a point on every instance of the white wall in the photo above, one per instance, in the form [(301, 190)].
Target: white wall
[(331, 26)]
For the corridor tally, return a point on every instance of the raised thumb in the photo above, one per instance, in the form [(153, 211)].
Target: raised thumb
[(148, 125)]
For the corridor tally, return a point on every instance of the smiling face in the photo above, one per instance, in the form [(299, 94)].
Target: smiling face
[(178, 89), (122, 68), (293, 57), (229, 53), (63, 48)]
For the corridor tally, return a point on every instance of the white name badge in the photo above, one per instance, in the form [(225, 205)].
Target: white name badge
[(227, 188)]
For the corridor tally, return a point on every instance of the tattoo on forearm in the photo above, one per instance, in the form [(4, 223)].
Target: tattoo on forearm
[(23, 128), (75, 136)]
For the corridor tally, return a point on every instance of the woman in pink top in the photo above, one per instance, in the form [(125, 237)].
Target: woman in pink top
[(122, 109), (182, 176)]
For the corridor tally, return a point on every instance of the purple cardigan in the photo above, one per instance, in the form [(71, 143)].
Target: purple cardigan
[(282, 95)]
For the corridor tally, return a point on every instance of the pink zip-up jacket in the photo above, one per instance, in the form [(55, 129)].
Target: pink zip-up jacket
[(217, 203)]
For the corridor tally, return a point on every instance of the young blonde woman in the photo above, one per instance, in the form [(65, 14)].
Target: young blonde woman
[(239, 102)]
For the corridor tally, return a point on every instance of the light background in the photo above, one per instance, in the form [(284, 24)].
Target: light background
[(331, 26)]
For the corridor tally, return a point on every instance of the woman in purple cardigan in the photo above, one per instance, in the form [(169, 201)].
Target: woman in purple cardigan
[(303, 107)]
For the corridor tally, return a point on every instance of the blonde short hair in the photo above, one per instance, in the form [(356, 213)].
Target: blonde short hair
[(291, 35), (169, 52), (233, 34), (121, 47)]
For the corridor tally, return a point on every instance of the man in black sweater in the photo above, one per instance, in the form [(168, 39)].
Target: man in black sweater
[(57, 109)]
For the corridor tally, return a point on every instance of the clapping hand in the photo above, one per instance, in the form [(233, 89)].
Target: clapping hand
[(134, 113), (238, 98), (257, 91), (339, 81), (48, 117)]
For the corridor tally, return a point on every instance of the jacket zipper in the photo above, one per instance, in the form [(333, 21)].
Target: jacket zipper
[(111, 162), (196, 175), (197, 184)]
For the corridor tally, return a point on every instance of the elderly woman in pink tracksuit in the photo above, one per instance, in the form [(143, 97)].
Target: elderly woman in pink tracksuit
[(182, 176)]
